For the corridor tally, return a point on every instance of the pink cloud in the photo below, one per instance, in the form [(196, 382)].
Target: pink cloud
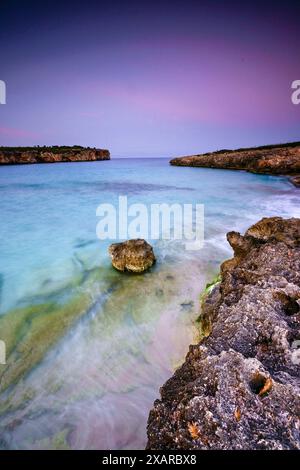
[(89, 114), (18, 133), (198, 80), (209, 101)]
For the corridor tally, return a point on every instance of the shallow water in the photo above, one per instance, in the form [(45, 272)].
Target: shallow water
[(87, 347)]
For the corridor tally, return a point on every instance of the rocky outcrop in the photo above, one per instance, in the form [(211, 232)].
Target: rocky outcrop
[(275, 160), (25, 155), (239, 388), (132, 255), (295, 180)]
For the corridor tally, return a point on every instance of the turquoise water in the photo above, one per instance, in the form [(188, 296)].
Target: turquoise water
[(87, 347)]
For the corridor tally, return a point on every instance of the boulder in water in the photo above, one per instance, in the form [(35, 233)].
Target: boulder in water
[(132, 255)]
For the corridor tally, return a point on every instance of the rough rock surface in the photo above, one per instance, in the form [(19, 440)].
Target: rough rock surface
[(295, 180), (133, 255), (275, 160), (239, 388), (14, 156)]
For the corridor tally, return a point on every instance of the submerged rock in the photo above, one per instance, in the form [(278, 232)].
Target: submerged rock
[(295, 180), (132, 255), (239, 388)]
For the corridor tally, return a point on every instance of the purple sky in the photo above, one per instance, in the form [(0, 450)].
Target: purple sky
[(149, 79)]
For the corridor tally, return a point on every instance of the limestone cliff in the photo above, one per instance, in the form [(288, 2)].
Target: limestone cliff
[(239, 388), (273, 159), (25, 155)]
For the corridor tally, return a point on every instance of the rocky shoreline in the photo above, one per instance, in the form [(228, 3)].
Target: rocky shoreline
[(55, 154), (239, 388), (274, 160)]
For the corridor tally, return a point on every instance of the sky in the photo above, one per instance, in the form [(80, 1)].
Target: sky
[(149, 78)]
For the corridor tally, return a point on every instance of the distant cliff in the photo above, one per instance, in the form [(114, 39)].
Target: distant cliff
[(273, 159), (23, 155)]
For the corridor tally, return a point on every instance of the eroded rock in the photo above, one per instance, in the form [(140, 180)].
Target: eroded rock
[(272, 159), (132, 255), (239, 388), (295, 180), (24, 155)]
